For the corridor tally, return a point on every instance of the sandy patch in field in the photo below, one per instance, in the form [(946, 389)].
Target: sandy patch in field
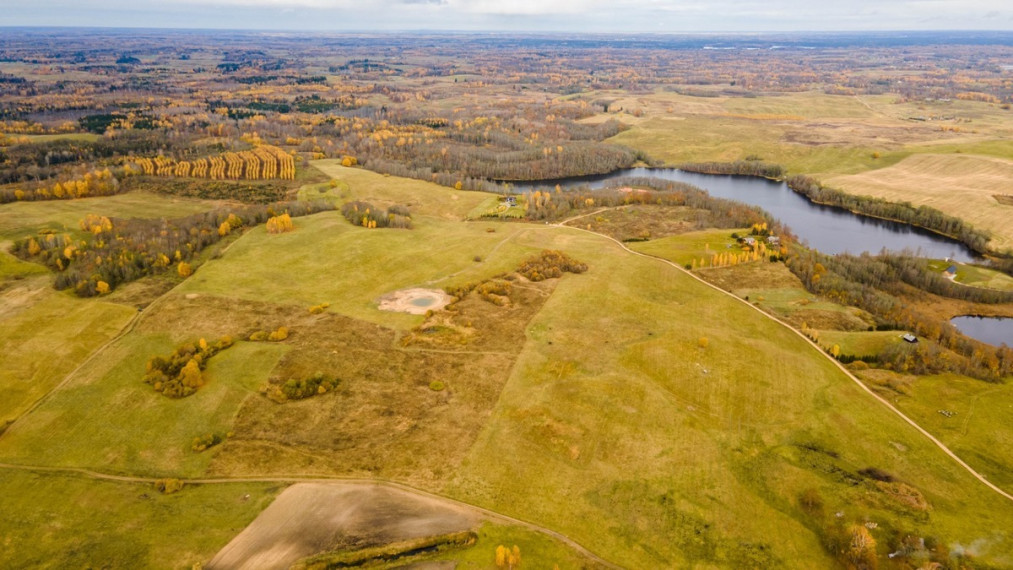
[(310, 518), (415, 301)]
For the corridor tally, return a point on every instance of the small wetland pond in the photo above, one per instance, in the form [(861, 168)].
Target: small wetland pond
[(993, 330)]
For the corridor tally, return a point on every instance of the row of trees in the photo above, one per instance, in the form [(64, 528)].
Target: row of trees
[(125, 250), (93, 183), (262, 163), (922, 216), (736, 168)]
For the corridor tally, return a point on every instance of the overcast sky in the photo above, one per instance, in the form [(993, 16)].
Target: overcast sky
[(519, 15)]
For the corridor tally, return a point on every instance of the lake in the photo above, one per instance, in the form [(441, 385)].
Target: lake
[(993, 330), (830, 230)]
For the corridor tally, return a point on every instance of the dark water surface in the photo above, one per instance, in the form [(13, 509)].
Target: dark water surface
[(830, 230), (993, 330)]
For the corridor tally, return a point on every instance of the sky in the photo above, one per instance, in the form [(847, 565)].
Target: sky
[(648, 16)]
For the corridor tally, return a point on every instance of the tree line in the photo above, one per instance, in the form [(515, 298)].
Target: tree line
[(369, 216), (878, 285), (736, 168), (922, 216), (262, 163)]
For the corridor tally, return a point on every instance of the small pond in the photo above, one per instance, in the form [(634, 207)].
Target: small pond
[(993, 330)]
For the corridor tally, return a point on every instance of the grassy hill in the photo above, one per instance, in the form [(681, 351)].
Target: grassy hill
[(650, 418)]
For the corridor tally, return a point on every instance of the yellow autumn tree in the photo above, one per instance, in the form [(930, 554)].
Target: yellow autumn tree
[(280, 224), (861, 552), (184, 269), (190, 375)]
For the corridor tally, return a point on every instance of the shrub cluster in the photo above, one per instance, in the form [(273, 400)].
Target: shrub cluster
[(300, 389), (180, 374), (277, 335), (208, 441), (368, 216), (317, 309), (550, 264)]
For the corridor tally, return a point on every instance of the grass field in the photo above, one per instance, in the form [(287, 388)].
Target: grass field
[(975, 276), (862, 343), (650, 418), (40, 321), (960, 185), (979, 429), (326, 259), (422, 198), (13, 268), (537, 550), (20, 219), (685, 248), (109, 420), (667, 441), (65, 521)]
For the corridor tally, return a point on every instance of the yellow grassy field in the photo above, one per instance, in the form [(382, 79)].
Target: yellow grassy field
[(959, 185)]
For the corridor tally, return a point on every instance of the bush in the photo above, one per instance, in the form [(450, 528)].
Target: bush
[(317, 309), (168, 486), (300, 389), (550, 264), (437, 386), (207, 441)]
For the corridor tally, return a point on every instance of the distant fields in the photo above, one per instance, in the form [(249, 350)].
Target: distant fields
[(951, 155)]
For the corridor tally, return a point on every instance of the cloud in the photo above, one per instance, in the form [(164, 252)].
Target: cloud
[(523, 15)]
